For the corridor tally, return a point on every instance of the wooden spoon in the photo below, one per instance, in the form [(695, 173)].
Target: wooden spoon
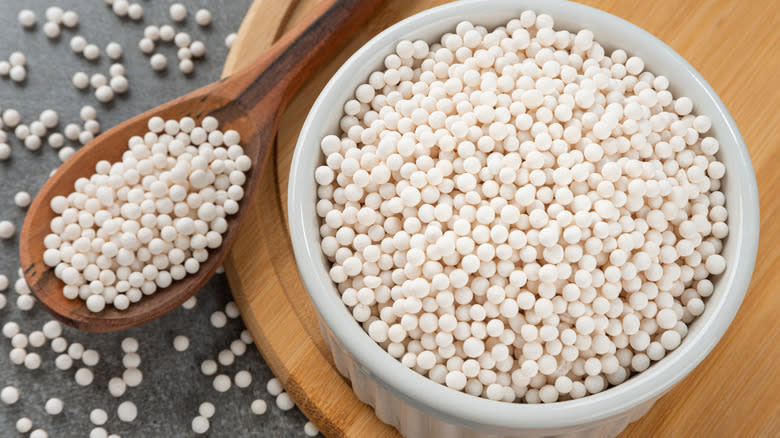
[(249, 101)]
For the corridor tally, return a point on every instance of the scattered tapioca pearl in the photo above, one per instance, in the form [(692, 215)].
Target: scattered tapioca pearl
[(88, 112), (131, 360), (230, 39), (310, 429), (98, 80), (22, 131), (20, 285), (17, 59), (218, 319), (203, 17), (72, 131), (91, 52), (54, 14), (182, 40), (186, 66), (129, 345), (17, 355), (104, 93), (274, 387), (120, 7), (90, 358), (119, 84), (32, 361), (132, 377), (51, 30), (208, 367), (200, 425), (7, 229), (238, 347), (32, 142), (65, 153), (98, 417), (22, 199), (226, 357), (184, 53), (84, 376), (284, 402), (135, 11), (18, 73), (207, 409), (92, 126), (116, 69), (221, 383), (36, 338), (25, 303), (37, 128), (116, 387), (98, 432), (114, 50), (24, 425), (9, 395), (127, 411), (11, 329), (152, 32), (49, 118), (19, 340), (167, 33), (5, 151), (190, 303), (178, 12), (231, 310), (53, 406), (181, 343), (70, 19), (259, 406), (78, 43), (11, 118), (59, 345), (158, 61), (52, 329), (197, 49), (243, 379), (39, 433), (146, 45), (63, 362), (27, 18)]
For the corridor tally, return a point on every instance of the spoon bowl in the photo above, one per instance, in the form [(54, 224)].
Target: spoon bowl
[(110, 146), (248, 102)]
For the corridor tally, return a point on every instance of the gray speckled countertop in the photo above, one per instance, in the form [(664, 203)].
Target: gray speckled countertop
[(173, 386)]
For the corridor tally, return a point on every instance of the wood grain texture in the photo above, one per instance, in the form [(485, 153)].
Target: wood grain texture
[(734, 392), (262, 26), (248, 101)]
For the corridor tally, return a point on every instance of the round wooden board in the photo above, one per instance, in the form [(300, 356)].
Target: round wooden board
[(264, 279)]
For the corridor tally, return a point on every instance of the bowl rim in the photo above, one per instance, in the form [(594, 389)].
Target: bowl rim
[(475, 412)]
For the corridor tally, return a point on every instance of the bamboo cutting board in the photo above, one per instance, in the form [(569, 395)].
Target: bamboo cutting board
[(734, 392)]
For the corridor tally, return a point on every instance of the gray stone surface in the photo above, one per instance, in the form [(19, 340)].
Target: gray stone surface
[(173, 386)]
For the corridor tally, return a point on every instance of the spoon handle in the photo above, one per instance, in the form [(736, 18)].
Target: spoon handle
[(269, 82)]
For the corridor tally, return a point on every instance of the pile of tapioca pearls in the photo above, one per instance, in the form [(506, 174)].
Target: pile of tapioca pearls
[(137, 225), (516, 215)]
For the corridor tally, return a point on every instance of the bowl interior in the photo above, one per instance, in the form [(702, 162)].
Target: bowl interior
[(612, 32)]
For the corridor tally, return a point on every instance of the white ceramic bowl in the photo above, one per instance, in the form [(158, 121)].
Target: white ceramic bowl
[(419, 407)]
